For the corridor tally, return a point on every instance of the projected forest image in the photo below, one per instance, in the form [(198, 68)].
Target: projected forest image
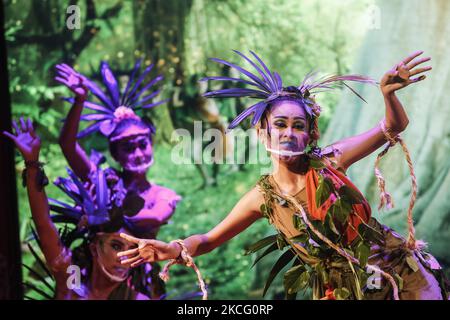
[(177, 38)]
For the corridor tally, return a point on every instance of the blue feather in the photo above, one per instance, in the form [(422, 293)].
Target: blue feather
[(261, 85), (149, 85), (266, 78), (110, 82), (130, 80), (92, 128), (138, 83), (89, 105)]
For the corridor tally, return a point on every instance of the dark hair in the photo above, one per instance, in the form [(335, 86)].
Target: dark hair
[(123, 125)]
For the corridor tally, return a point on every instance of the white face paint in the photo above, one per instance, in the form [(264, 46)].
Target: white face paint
[(141, 168), (120, 273), (285, 153)]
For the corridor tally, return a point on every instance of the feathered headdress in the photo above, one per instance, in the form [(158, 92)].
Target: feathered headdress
[(268, 86), (116, 106), (99, 205)]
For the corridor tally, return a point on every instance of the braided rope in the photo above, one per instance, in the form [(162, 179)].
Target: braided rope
[(342, 252), (188, 261), (411, 241)]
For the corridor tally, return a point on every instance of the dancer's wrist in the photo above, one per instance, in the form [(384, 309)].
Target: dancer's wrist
[(176, 249)]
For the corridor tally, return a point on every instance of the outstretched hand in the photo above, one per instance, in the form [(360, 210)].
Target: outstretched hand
[(25, 139), (67, 76), (400, 76), (148, 250)]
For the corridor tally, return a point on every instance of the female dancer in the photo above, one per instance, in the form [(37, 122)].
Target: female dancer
[(91, 270), (337, 248)]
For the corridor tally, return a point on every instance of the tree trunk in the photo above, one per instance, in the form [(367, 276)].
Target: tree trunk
[(404, 28), (10, 255), (159, 34)]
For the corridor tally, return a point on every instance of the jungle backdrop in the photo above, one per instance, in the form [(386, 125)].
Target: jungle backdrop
[(293, 37)]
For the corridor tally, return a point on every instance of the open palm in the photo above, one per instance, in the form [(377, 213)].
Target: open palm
[(67, 76), (25, 139), (400, 76)]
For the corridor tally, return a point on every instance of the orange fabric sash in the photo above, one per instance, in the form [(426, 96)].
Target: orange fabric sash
[(361, 211)]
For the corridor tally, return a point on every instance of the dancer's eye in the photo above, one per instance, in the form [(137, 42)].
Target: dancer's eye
[(280, 124), (143, 144), (116, 246), (128, 147), (299, 126)]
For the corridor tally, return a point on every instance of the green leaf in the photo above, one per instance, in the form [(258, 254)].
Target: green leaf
[(341, 294), (340, 210), (322, 273), (399, 281), (261, 244), (332, 227), (298, 223), (353, 196), (302, 237), (362, 253), (412, 263), (280, 264), (294, 279), (316, 164), (281, 242), (270, 249), (324, 190), (370, 234)]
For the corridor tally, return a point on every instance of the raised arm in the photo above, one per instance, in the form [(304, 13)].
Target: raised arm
[(75, 155), (355, 148), (29, 146), (245, 212)]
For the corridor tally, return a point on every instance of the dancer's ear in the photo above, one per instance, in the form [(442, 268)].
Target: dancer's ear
[(92, 248), (262, 135)]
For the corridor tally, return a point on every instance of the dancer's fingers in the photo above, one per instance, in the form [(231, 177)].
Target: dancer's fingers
[(23, 126), (137, 263), (62, 80), (414, 63), (130, 238), (10, 136), (423, 77), (128, 252), (16, 127), (420, 70), (131, 260), (412, 56), (31, 128)]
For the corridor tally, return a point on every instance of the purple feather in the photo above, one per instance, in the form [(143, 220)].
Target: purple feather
[(100, 215), (90, 105), (261, 85), (148, 86), (228, 79), (256, 108), (266, 77), (236, 92), (147, 97), (96, 117), (151, 105), (110, 82), (96, 91), (130, 80), (92, 128), (138, 83), (264, 66)]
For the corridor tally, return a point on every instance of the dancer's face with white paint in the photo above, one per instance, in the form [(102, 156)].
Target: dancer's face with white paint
[(285, 128), (134, 153), (104, 249)]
